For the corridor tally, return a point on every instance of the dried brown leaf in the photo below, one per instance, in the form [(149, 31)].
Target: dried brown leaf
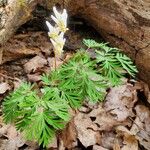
[(34, 77), (120, 101), (129, 139), (141, 126), (35, 63), (86, 130), (105, 122), (116, 145), (108, 140), (69, 135), (97, 147), (131, 143), (4, 87), (14, 141)]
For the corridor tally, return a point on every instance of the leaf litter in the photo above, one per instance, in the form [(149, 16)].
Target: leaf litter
[(121, 122)]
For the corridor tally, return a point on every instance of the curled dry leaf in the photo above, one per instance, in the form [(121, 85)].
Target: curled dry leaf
[(130, 141), (103, 120), (116, 145), (141, 126), (17, 84), (97, 147), (69, 135), (86, 130), (140, 130), (4, 87), (35, 63), (34, 77), (14, 139), (108, 139), (120, 101)]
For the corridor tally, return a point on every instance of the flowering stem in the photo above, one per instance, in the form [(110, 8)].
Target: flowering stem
[(55, 63)]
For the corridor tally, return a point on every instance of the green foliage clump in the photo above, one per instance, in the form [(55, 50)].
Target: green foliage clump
[(38, 117), (111, 62), (70, 94), (80, 75), (39, 113)]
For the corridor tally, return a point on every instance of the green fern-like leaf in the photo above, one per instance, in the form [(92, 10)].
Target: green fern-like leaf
[(11, 103), (93, 44), (67, 92), (79, 74), (37, 117), (127, 64), (112, 63)]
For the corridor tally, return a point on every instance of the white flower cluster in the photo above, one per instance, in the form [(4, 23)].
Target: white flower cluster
[(56, 33)]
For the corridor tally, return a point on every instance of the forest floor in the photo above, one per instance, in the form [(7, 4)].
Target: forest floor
[(121, 122)]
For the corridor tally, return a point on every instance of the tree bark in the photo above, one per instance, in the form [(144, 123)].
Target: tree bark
[(123, 23)]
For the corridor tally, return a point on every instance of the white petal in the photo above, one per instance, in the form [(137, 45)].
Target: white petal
[(50, 27), (54, 43), (61, 35), (64, 40), (65, 15), (55, 19), (57, 14)]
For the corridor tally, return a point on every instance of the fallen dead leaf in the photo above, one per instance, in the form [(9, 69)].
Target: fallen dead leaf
[(17, 84), (141, 126), (35, 63), (34, 77), (27, 44), (86, 130), (129, 140), (3, 144), (69, 135), (14, 139), (97, 147), (103, 120), (108, 139), (116, 145), (120, 101), (32, 145), (4, 87)]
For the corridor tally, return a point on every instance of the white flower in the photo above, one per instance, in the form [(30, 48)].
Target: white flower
[(60, 19), (58, 44), (53, 31)]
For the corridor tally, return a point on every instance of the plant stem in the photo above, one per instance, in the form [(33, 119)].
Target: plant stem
[(55, 63)]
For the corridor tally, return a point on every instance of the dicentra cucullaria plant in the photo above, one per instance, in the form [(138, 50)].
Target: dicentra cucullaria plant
[(39, 113), (56, 33)]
